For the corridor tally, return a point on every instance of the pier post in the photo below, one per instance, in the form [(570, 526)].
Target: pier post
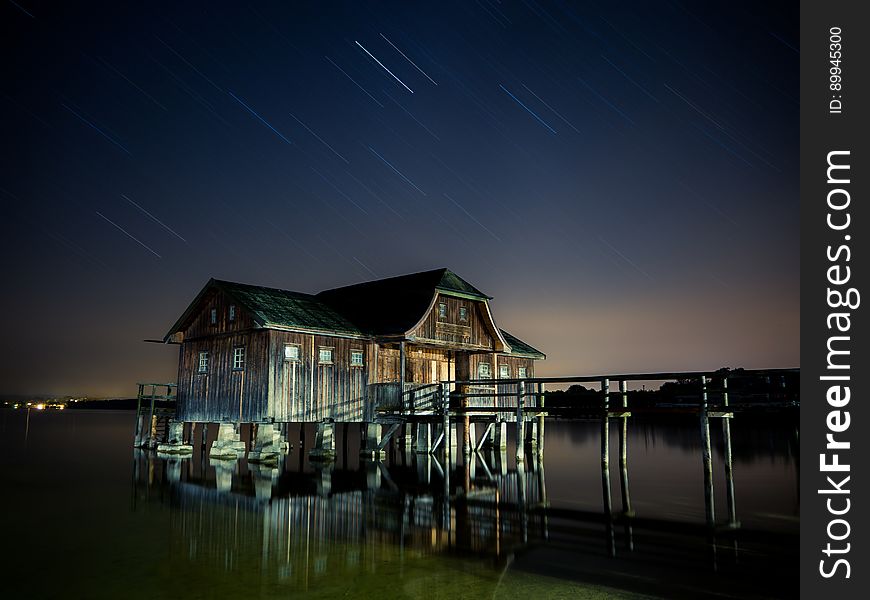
[(521, 392), (268, 446), (324, 442), (729, 474), (706, 451), (605, 450), (623, 452), (445, 416), (540, 432)]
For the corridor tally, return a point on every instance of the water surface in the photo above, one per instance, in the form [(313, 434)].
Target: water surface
[(84, 515)]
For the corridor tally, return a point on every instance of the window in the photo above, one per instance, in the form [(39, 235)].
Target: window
[(521, 372), (484, 370), (238, 358), (203, 362), (504, 371), (214, 316), (356, 358), (442, 311), (232, 312), (291, 352), (325, 356), (463, 313)]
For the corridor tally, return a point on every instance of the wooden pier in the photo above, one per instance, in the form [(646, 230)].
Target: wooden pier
[(467, 417)]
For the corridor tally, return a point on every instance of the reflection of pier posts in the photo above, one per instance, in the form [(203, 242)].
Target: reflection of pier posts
[(707, 456), (521, 500), (729, 474), (521, 391), (542, 495)]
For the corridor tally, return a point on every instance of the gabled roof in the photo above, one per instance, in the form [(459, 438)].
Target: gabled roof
[(275, 308), (386, 307), (394, 306), (520, 348)]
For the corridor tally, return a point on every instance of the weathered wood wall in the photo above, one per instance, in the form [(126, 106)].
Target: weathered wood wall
[(221, 393), (474, 333)]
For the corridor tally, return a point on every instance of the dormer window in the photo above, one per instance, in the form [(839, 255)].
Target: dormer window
[(232, 312), (442, 310), (463, 313), (214, 316)]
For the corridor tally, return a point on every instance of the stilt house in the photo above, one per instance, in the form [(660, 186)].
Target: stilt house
[(257, 354)]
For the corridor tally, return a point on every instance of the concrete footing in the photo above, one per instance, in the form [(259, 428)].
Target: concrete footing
[(268, 446), (424, 438), (324, 442), (371, 439), (175, 442), (228, 444)]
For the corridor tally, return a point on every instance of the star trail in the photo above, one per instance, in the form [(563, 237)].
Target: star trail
[(622, 179)]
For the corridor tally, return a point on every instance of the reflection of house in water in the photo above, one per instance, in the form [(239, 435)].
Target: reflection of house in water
[(297, 524)]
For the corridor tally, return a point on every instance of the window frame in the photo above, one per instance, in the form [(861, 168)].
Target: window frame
[(442, 310), (232, 312), (202, 362), (488, 368), (522, 372), (463, 314), (298, 356), (501, 369), (213, 316), (331, 360), (239, 359), (362, 359)]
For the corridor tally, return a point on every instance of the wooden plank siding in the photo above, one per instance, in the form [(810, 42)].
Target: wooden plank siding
[(474, 333), (274, 387), (222, 393)]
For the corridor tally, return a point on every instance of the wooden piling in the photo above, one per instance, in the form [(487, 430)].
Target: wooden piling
[(706, 452), (605, 451), (623, 451), (729, 474), (521, 392), (540, 432)]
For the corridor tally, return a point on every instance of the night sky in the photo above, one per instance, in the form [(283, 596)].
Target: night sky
[(622, 179)]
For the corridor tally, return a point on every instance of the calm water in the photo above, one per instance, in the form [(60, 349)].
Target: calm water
[(86, 516)]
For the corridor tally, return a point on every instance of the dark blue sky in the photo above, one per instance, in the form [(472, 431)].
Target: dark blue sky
[(623, 179)]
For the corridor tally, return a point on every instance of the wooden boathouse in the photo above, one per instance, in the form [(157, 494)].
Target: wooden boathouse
[(251, 354)]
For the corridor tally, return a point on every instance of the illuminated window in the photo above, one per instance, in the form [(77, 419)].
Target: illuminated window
[(463, 313), (484, 370), (442, 311), (356, 358), (521, 372), (232, 312), (203, 362), (291, 352), (325, 356), (504, 371), (214, 316), (238, 358)]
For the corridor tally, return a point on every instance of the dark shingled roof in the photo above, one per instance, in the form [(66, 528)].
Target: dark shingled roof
[(375, 308), (393, 306), (272, 307), (520, 348)]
